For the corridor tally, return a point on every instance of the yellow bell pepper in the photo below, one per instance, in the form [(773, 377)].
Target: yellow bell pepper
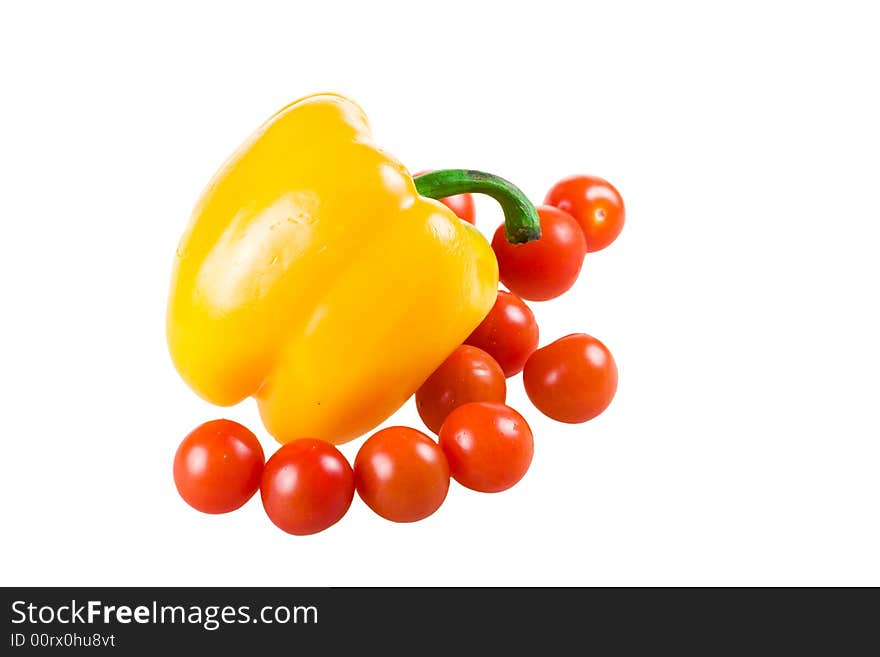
[(315, 278)]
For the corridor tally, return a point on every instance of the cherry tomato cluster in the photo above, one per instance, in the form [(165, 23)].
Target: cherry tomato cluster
[(570, 380), (401, 473)]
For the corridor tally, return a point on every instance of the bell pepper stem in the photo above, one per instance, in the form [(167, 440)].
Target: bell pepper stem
[(521, 222)]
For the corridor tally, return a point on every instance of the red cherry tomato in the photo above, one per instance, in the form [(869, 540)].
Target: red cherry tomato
[(218, 465), (461, 204), (571, 380), (401, 474), (595, 205), (489, 446), (547, 267), (307, 486), (468, 374), (509, 333)]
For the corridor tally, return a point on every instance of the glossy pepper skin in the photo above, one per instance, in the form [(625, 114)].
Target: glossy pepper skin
[(313, 277)]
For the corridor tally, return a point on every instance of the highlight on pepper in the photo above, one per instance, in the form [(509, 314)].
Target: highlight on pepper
[(319, 277)]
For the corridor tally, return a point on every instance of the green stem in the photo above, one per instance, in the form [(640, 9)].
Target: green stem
[(521, 223)]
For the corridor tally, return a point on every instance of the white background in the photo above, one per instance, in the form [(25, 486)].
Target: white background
[(740, 301)]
